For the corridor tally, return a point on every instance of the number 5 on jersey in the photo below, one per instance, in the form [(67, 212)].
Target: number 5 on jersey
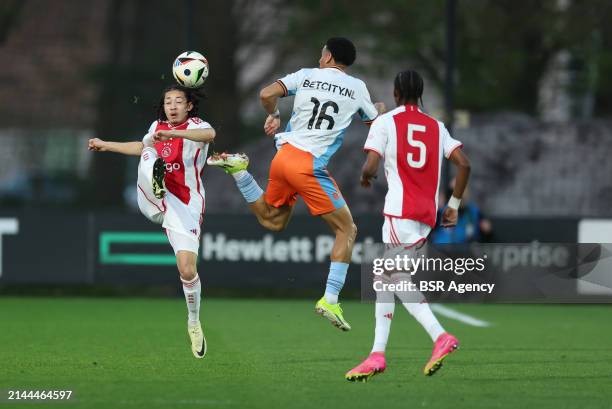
[(417, 164)]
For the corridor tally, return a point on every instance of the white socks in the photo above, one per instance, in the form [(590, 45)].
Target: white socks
[(384, 316), (385, 307), (422, 313), (192, 290), (417, 306)]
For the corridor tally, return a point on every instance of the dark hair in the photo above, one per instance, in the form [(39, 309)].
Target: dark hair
[(409, 86), (342, 49), (191, 94)]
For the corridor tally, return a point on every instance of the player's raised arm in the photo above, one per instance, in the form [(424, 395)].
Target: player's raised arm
[(269, 100), (125, 148), (205, 135), (269, 96), (461, 161)]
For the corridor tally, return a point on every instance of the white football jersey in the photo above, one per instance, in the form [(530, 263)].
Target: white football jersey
[(412, 145), (185, 161), (325, 101)]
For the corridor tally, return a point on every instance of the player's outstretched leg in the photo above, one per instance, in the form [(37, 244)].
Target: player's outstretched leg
[(444, 343), (186, 262), (151, 171), (341, 223), (230, 162), (270, 217), (159, 172)]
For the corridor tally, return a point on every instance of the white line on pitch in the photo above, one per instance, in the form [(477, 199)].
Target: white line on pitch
[(459, 316)]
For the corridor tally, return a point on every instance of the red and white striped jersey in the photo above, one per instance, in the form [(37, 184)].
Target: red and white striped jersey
[(185, 161), (412, 145)]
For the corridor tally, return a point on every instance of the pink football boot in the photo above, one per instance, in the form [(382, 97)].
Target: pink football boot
[(374, 364), (444, 345)]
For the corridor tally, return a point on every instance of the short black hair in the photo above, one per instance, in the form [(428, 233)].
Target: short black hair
[(409, 86), (191, 94), (342, 49)]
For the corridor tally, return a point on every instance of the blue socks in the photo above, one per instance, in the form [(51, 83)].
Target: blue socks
[(248, 186), (335, 281)]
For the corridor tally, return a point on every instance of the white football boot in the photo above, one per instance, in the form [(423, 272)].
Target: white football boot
[(198, 342)]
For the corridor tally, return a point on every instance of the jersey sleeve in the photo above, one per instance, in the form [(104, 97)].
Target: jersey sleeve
[(197, 123), (377, 138), (449, 144), (147, 139), (367, 111), (151, 129), (291, 82)]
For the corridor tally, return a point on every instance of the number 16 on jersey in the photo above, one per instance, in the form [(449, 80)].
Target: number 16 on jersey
[(322, 115)]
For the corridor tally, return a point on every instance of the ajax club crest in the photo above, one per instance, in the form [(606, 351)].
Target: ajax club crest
[(166, 150)]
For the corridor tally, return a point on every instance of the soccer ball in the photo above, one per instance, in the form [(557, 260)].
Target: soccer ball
[(190, 69)]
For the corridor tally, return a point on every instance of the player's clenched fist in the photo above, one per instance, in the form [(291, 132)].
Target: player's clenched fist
[(365, 181), (161, 136), (449, 217), (380, 107), (271, 126), (96, 144)]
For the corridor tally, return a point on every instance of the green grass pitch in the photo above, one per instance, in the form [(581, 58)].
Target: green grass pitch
[(133, 353)]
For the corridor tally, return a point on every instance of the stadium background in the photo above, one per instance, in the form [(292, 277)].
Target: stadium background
[(524, 86)]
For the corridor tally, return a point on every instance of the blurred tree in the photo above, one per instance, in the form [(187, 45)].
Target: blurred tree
[(9, 15), (216, 36), (593, 50), (503, 47), (107, 171)]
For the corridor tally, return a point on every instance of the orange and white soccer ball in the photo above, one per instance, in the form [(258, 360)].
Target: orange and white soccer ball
[(190, 69)]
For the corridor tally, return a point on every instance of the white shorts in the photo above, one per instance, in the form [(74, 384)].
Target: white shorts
[(394, 277), (406, 232), (182, 242), (180, 221)]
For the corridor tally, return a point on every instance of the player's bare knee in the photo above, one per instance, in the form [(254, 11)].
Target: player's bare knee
[(273, 222), (348, 231), (187, 270), (265, 218), (353, 232), (265, 223), (188, 273), (273, 225)]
